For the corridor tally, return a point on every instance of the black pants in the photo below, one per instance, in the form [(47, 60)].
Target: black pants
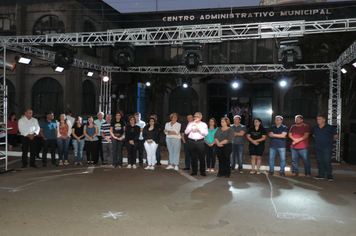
[(12, 139), (117, 151), (196, 149), (100, 150), (39, 145), (28, 143), (210, 155), (51, 144), (131, 152), (92, 151), (140, 151), (223, 154)]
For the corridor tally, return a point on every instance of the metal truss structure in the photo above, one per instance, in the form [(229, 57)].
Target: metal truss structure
[(207, 33), (3, 106)]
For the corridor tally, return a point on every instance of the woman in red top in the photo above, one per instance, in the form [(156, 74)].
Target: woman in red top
[(64, 131), (12, 133)]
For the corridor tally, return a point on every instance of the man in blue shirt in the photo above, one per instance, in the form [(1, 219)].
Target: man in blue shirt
[(48, 132), (278, 133), (324, 136)]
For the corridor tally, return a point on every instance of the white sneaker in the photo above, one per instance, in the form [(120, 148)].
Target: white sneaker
[(147, 168), (134, 166), (152, 168), (128, 166), (252, 172), (241, 172), (176, 168), (169, 167), (212, 170), (258, 172)]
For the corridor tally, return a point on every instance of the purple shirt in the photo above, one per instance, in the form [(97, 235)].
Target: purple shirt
[(197, 131)]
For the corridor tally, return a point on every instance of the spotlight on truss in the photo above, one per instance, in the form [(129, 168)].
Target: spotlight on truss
[(192, 55), (124, 56), (289, 52), (7, 65), (186, 82), (23, 60), (89, 73)]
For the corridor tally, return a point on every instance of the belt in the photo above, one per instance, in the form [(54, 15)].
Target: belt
[(197, 140)]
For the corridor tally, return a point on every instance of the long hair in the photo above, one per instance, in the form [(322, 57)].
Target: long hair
[(215, 123), (227, 120), (12, 113), (259, 121)]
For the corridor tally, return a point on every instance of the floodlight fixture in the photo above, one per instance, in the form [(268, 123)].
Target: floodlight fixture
[(343, 70), (354, 63), (8, 65), (187, 82), (57, 68), (23, 60), (106, 78), (192, 55), (89, 73), (346, 68), (289, 53), (282, 83), (124, 55), (148, 83)]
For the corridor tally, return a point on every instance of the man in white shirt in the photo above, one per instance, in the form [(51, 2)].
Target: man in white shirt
[(196, 131), (98, 123), (142, 125), (69, 117), (29, 128)]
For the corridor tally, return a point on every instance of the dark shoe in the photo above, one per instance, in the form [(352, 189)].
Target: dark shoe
[(33, 166), (104, 164), (44, 165), (158, 164), (54, 164), (271, 173), (282, 174), (23, 166), (193, 174), (218, 176), (186, 168), (203, 174), (318, 177), (227, 176)]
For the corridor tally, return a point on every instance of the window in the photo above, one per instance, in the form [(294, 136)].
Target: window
[(89, 27), (184, 101), (88, 98), (301, 100), (47, 95), (48, 24), (7, 28)]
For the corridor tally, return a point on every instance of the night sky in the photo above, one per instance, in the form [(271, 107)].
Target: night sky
[(167, 5)]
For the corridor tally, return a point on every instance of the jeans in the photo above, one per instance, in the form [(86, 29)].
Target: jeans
[(187, 155), (323, 157), (282, 157), (51, 144), (151, 152), (239, 150), (117, 146), (78, 149), (107, 150), (304, 153), (173, 146), (63, 145), (210, 156)]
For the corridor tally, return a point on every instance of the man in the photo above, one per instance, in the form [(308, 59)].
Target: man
[(142, 125), (278, 134), (69, 116), (106, 140), (158, 151), (186, 142), (29, 128), (324, 136), (99, 122), (299, 133), (238, 143), (196, 131), (48, 133)]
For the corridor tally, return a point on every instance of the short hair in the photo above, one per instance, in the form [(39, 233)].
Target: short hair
[(108, 115), (132, 117), (173, 114), (237, 116), (49, 113), (189, 115), (137, 113), (199, 113), (215, 123), (68, 112), (155, 116), (151, 118), (100, 112), (227, 120), (280, 117), (322, 116), (300, 116)]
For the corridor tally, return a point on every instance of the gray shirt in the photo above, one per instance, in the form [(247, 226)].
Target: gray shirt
[(238, 139), (221, 135)]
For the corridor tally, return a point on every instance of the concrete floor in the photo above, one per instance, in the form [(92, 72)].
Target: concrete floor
[(73, 200)]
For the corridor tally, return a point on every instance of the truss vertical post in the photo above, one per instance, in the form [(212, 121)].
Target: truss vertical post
[(105, 95), (3, 108), (334, 109)]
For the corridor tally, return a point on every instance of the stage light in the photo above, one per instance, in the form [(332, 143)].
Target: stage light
[(186, 82), (343, 70), (185, 85), (105, 78), (148, 83), (89, 73), (150, 80), (8, 65), (64, 58), (235, 85), (124, 56), (23, 60), (282, 83), (192, 55), (289, 53), (57, 68)]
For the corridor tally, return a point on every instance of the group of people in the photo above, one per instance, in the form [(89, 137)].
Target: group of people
[(202, 142)]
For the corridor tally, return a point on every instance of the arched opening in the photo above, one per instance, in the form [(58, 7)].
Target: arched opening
[(48, 24), (184, 101)]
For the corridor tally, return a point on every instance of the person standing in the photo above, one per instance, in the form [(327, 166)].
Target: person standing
[(69, 116), (299, 133), (158, 151), (142, 125), (196, 131), (278, 134), (223, 138), (257, 136), (172, 131), (48, 129), (91, 141), (132, 134), (117, 133), (78, 140), (151, 137), (186, 143), (64, 131), (210, 146), (98, 122), (238, 143), (13, 126), (29, 128), (106, 141), (325, 136)]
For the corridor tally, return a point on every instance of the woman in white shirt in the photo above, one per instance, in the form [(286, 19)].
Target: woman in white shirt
[(173, 137)]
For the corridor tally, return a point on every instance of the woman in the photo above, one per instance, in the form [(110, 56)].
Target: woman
[(64, 130), (173, 137), (91, 141), (78, 140), (12, 125), (132, 133), (210, 146), (117, 132), (256, 135), (223, 138), (151, 136)]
